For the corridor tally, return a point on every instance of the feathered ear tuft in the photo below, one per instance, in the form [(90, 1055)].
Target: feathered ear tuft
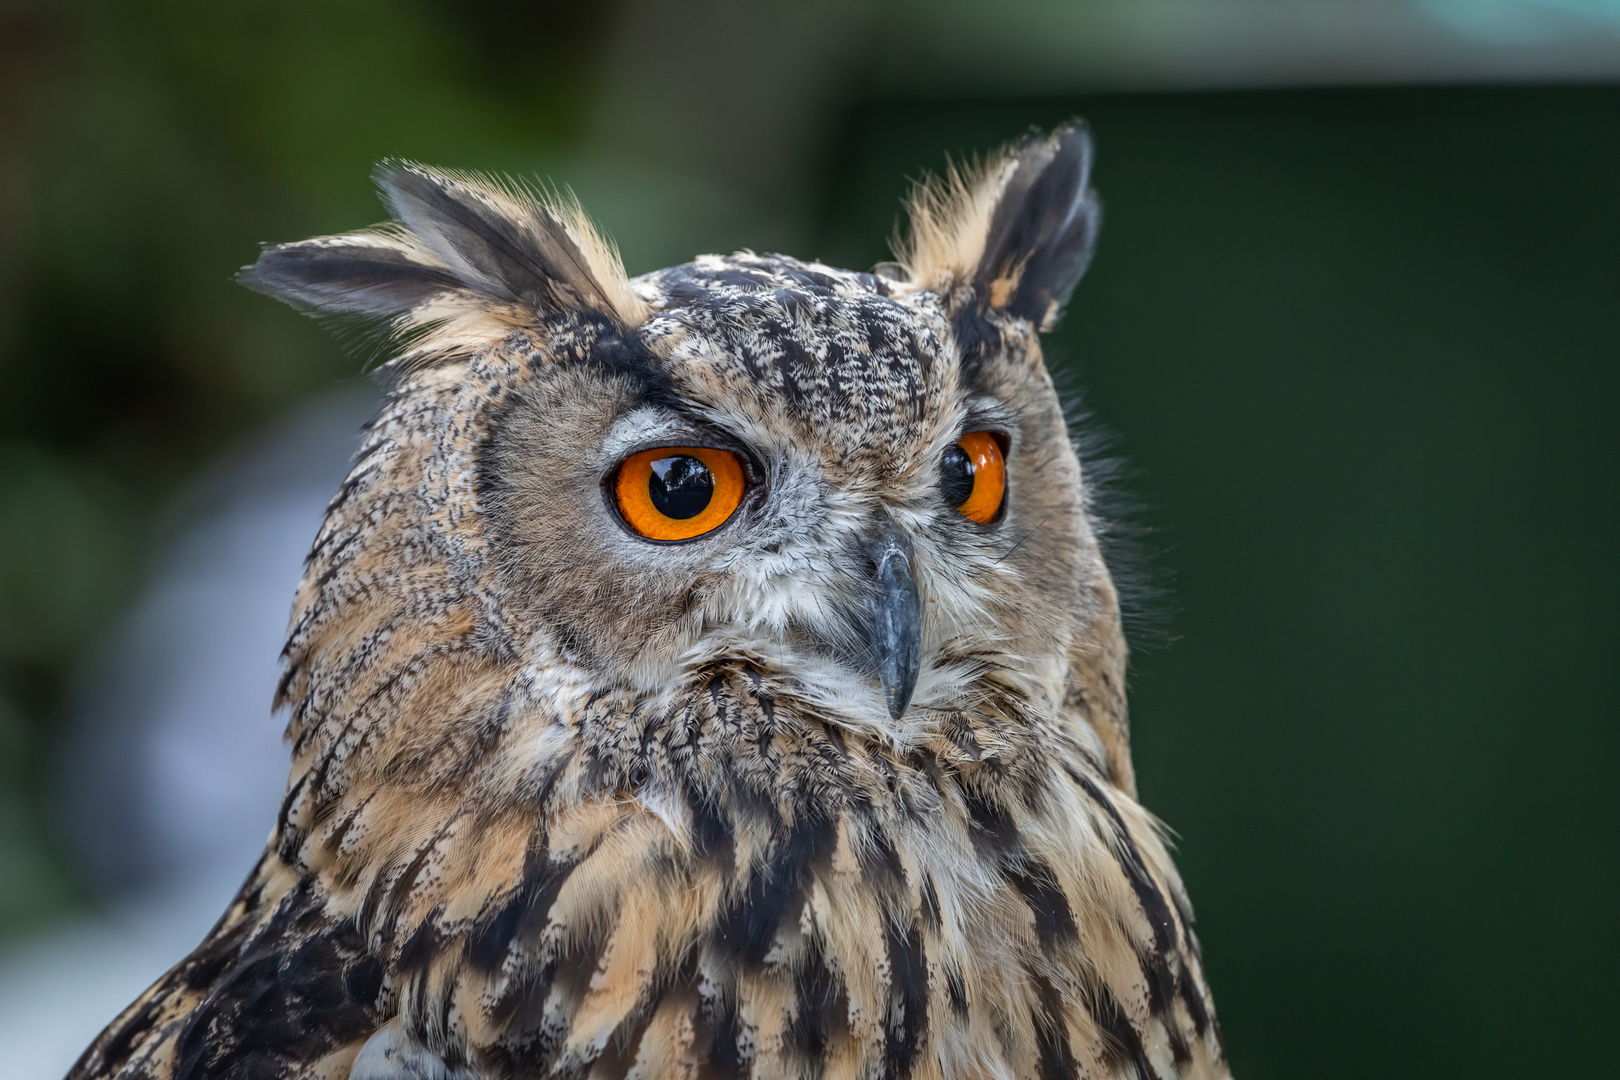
[(381, 271), (511, 243), (464, 249), (1019, 229)]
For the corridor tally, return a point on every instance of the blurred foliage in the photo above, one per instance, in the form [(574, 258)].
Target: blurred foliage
[(1361, 343), (146, 149)]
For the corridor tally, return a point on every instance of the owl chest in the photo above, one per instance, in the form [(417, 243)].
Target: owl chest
[(829, 946)]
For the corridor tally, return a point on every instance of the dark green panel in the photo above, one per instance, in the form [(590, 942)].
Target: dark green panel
[(1365, 347)]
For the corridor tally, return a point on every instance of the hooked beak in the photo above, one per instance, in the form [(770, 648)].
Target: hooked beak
[(896, 627)]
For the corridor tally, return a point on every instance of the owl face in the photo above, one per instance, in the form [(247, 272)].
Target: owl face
[(857, 486), (798, 471)]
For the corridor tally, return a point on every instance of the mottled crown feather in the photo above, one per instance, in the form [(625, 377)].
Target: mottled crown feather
[(466, 255), (1018, 228)]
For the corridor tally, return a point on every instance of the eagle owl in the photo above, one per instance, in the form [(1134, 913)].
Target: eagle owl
[(706, 675)]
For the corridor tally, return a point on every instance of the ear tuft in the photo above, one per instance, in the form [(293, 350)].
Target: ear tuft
[(468, 250), (511, 243), (1019, 228)]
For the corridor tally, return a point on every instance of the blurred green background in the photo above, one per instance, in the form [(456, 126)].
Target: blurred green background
[(1361, 344)]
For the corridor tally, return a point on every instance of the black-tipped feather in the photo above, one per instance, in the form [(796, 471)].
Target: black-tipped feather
[(323, 275), (1044, 227), (533, 261)]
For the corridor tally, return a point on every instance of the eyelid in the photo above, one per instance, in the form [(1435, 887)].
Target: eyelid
[(617, 455), (648, 427), (990, 415)]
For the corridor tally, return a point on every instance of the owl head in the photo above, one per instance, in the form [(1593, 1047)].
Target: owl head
[(856, 488)]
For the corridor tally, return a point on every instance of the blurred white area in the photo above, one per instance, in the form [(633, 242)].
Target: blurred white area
[(60, 988), (176, 764)]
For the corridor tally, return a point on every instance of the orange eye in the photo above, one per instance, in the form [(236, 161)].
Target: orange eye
[(678, 492), (973, 476)]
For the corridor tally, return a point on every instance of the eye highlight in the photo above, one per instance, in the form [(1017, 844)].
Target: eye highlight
[(676, 493), (973, 476)]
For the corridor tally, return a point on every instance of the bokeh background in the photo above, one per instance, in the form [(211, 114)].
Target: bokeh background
[(1355, 313)]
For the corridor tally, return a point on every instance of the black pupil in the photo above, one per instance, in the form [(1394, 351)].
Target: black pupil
[(956, 476), (681, 486)]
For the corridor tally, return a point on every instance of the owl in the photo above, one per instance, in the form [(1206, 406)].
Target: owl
[(712, 674)]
